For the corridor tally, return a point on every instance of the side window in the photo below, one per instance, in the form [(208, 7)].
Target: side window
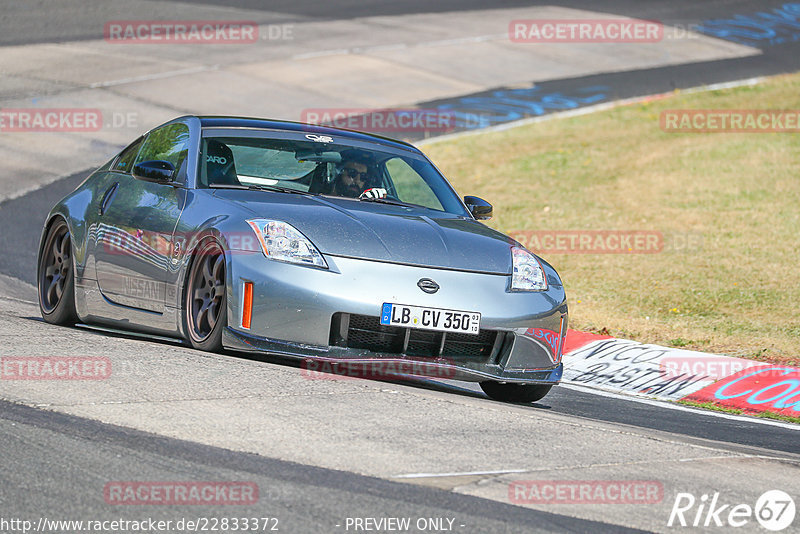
[(410, 186), (125, 160), (170, 143)]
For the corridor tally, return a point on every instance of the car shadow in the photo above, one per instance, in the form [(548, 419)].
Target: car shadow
[(297, 363)]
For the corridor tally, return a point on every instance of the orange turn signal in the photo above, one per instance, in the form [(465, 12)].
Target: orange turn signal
[(247, 305)]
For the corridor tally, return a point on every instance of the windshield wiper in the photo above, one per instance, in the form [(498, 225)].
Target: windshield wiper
[(280, 189), (227, 186), (255, 187)]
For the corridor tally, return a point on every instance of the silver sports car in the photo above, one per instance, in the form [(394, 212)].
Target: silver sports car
[(343, 249)]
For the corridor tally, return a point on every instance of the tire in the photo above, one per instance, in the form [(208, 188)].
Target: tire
[(515, 392), (206, 302), (55, 276)]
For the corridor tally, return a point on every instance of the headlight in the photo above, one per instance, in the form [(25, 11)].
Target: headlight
[(528, 274), (283, 242)]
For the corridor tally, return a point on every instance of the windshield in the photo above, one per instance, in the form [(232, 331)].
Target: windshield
[(348, 171)]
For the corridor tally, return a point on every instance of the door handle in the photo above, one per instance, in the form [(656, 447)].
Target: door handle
[(107, 199)]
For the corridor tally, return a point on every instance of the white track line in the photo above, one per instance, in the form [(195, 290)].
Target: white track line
[(466, 473), (156, 76), (534, 470), (675, 406)]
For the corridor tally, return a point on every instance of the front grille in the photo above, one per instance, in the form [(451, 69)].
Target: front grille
[(478, 346), (423, 342), (367, 332)]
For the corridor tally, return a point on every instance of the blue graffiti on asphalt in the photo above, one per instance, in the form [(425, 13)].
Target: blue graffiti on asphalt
[(781, 25), (513, 104)]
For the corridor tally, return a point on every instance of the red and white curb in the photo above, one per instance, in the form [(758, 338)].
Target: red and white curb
[(652, 371)]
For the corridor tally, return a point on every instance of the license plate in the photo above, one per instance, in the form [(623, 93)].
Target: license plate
[(464, 322)]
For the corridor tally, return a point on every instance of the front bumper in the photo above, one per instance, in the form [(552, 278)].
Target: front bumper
[(305, 313)]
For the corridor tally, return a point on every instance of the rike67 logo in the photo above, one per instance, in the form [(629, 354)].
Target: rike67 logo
[(774, 511)]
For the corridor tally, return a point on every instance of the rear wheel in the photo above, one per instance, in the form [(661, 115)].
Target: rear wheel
[(206, 301), (515, 392), (56, 278)]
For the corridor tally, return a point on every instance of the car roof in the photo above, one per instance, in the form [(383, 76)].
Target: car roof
[(207, 121)]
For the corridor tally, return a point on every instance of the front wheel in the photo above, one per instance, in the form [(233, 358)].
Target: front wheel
[(206, 303), (56, 278), (515, 392)]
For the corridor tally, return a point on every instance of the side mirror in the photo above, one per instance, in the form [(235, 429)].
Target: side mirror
[(154, 171), (479, 208)]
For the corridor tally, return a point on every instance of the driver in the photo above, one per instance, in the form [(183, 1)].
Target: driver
[(354, 180)]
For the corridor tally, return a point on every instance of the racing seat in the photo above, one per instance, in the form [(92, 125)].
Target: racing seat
[(220, 168), (319, 180)]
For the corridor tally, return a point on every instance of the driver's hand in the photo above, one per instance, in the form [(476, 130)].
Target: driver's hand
[(375, 192)]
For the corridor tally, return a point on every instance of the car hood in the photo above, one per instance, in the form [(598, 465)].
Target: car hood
[(375, 231)]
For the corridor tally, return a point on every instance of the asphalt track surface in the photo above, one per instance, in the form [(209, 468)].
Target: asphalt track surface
[(83, 453), (303, 498)]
